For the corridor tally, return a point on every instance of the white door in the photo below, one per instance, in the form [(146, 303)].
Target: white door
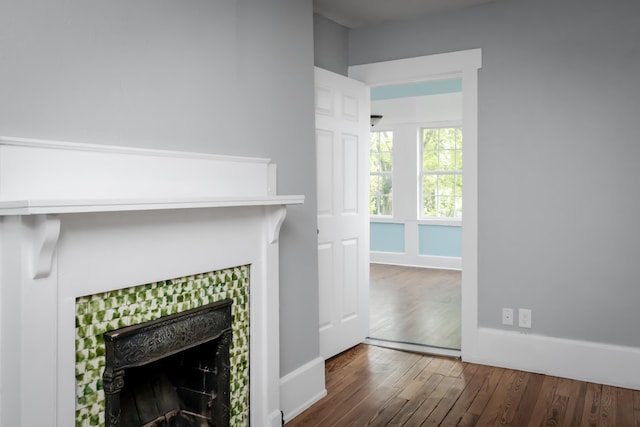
[(342, 147)]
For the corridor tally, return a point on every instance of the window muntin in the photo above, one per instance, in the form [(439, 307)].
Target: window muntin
[(381, 173), (441, 172)]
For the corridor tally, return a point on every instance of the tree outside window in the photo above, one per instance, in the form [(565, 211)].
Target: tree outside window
[(442, 172), (381, 178)]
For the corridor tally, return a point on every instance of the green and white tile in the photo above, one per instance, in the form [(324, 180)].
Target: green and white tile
[(96, 314)]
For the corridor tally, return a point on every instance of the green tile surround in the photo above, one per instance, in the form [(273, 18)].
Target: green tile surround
[(99, 313)]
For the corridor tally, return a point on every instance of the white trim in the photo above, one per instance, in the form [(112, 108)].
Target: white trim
[(581, 360), (465, 63), (33, 207), (49, 173), (422, 261), (302, 388), (448, 222), (388, 219), (114, 149), (421, 68), (470, 216), (275, 419), (439, 124)]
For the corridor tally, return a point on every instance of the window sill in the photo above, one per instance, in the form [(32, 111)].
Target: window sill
[(429, 221), (388, 219)]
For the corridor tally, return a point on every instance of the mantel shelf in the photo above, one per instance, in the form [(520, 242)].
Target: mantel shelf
[(40, 207)]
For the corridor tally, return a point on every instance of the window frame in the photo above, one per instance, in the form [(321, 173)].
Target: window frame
[(381, 173), (440, 220)]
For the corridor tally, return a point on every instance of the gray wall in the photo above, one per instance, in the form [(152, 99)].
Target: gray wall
[(276, 71), (559, 143), (227, 77), (331, 45)]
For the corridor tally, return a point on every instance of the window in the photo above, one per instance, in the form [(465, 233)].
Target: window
[(442, 172), (380, 181)]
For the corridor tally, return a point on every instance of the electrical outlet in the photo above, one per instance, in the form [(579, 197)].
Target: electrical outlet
[(524, 318), (507, 316)]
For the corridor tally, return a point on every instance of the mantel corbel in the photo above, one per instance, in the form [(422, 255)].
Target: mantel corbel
[(276, 215), (46, 231)]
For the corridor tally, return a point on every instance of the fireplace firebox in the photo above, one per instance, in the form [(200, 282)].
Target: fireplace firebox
[(170, 372)]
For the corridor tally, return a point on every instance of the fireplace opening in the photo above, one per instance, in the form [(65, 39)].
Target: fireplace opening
[(170, 372)]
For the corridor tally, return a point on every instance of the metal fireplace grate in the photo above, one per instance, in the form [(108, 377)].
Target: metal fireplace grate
[(170, 372)]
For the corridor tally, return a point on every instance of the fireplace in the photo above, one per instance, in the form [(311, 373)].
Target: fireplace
[(140, 309), (172, 371), (84, 223)]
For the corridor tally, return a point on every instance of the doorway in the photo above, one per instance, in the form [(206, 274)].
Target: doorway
[(416, 192), (463, 65)]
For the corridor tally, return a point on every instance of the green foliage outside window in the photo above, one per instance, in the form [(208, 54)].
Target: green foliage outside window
[(381, 173), (442, 172)]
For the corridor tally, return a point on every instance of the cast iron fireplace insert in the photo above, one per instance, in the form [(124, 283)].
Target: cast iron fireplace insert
[(170, 372)]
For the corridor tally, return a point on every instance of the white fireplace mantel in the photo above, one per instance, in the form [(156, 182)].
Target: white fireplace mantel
[(80, 219)]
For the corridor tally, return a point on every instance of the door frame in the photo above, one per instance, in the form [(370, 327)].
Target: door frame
[(465, 65)]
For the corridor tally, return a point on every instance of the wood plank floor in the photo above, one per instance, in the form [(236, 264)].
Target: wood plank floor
[(415, 305), (374, 386)]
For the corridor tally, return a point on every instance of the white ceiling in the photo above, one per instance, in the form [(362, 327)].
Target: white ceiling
[(361, 13)]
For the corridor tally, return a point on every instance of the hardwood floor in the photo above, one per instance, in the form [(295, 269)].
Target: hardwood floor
[(415, 305), (374, 386)]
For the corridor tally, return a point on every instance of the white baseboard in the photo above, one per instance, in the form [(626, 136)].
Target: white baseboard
[(275, 419), (302, 388), (580, 360), (426, 261)]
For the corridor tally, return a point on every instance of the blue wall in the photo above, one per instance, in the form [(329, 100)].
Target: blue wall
[(386, 237), (439, 240), (433, 240)]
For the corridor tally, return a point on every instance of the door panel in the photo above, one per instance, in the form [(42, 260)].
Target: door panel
[(324, 150), (350, 280), (325, 282), (342, 150), (351, 174)]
